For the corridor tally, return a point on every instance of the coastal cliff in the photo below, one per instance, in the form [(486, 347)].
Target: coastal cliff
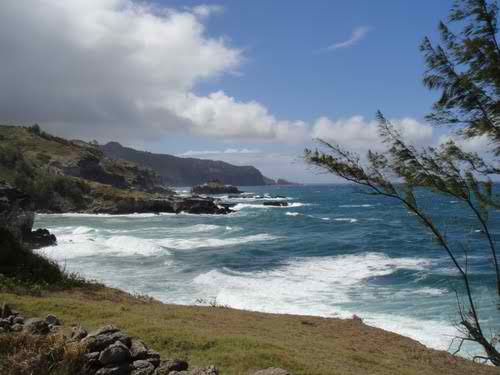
[(73, 176), (177, 171)]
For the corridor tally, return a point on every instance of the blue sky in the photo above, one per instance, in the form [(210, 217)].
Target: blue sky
[(248, 82)]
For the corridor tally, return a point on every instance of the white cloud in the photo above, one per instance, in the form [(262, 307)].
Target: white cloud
[(204, 10), (480, 144), (220, 152), (360, 135), (220, 115), (122, 69), (357, 35)]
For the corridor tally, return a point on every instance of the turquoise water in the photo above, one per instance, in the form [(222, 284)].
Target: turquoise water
[(332, 252)]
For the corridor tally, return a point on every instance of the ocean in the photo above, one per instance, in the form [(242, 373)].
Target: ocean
[(334, 251)]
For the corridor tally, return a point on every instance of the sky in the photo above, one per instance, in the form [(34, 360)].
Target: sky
[(247, 82)]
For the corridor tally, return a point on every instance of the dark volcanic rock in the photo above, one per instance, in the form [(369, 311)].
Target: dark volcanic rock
[(214, 188), (98, 341), (276, 203), (40, 238), (167, 204), (168, 366), (142, 367), (138, 350), (115, 353), (17, 211), (17, 215)]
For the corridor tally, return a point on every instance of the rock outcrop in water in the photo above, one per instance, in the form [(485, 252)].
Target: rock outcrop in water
[(173, 204), (215, 187)]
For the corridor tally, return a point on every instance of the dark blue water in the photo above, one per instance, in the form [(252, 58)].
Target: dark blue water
[(334, 251)]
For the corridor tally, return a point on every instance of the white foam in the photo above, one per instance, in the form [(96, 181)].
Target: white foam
[(241, 206), (72, 246), (320, 287), (306, 286), (293, 213), (350, 220), (197, 243)]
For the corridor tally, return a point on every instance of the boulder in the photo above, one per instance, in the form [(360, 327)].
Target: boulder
[(142, 367), (121, 369), (36, 326), (102, 338), (18, 320), (272, 371), (115, 353), (169, 365), (138, 350)]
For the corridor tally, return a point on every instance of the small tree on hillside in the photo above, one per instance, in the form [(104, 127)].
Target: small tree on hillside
[(465, 68)]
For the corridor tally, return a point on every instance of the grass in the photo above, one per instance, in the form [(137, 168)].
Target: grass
[(238, 342), (26, 354)]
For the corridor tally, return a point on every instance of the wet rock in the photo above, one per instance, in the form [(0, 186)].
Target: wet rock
[(5, 323), (272, 371), (115, 353), (18, 320), (36, 326), (276, 203), (138, 350), (39, 238), (142, 367), (167, 366)]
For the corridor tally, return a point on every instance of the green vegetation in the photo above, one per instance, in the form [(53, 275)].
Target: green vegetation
[(466, 71), (238, 342)]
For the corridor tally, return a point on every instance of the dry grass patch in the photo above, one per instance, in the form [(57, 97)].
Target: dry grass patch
[(26, 354)]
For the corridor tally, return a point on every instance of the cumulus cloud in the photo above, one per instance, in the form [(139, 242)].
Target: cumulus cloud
[(221, 115), (357, 35), (121, 69), (358, 134)]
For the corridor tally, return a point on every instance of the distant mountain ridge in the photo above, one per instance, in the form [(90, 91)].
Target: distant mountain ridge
[(177, 171)]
